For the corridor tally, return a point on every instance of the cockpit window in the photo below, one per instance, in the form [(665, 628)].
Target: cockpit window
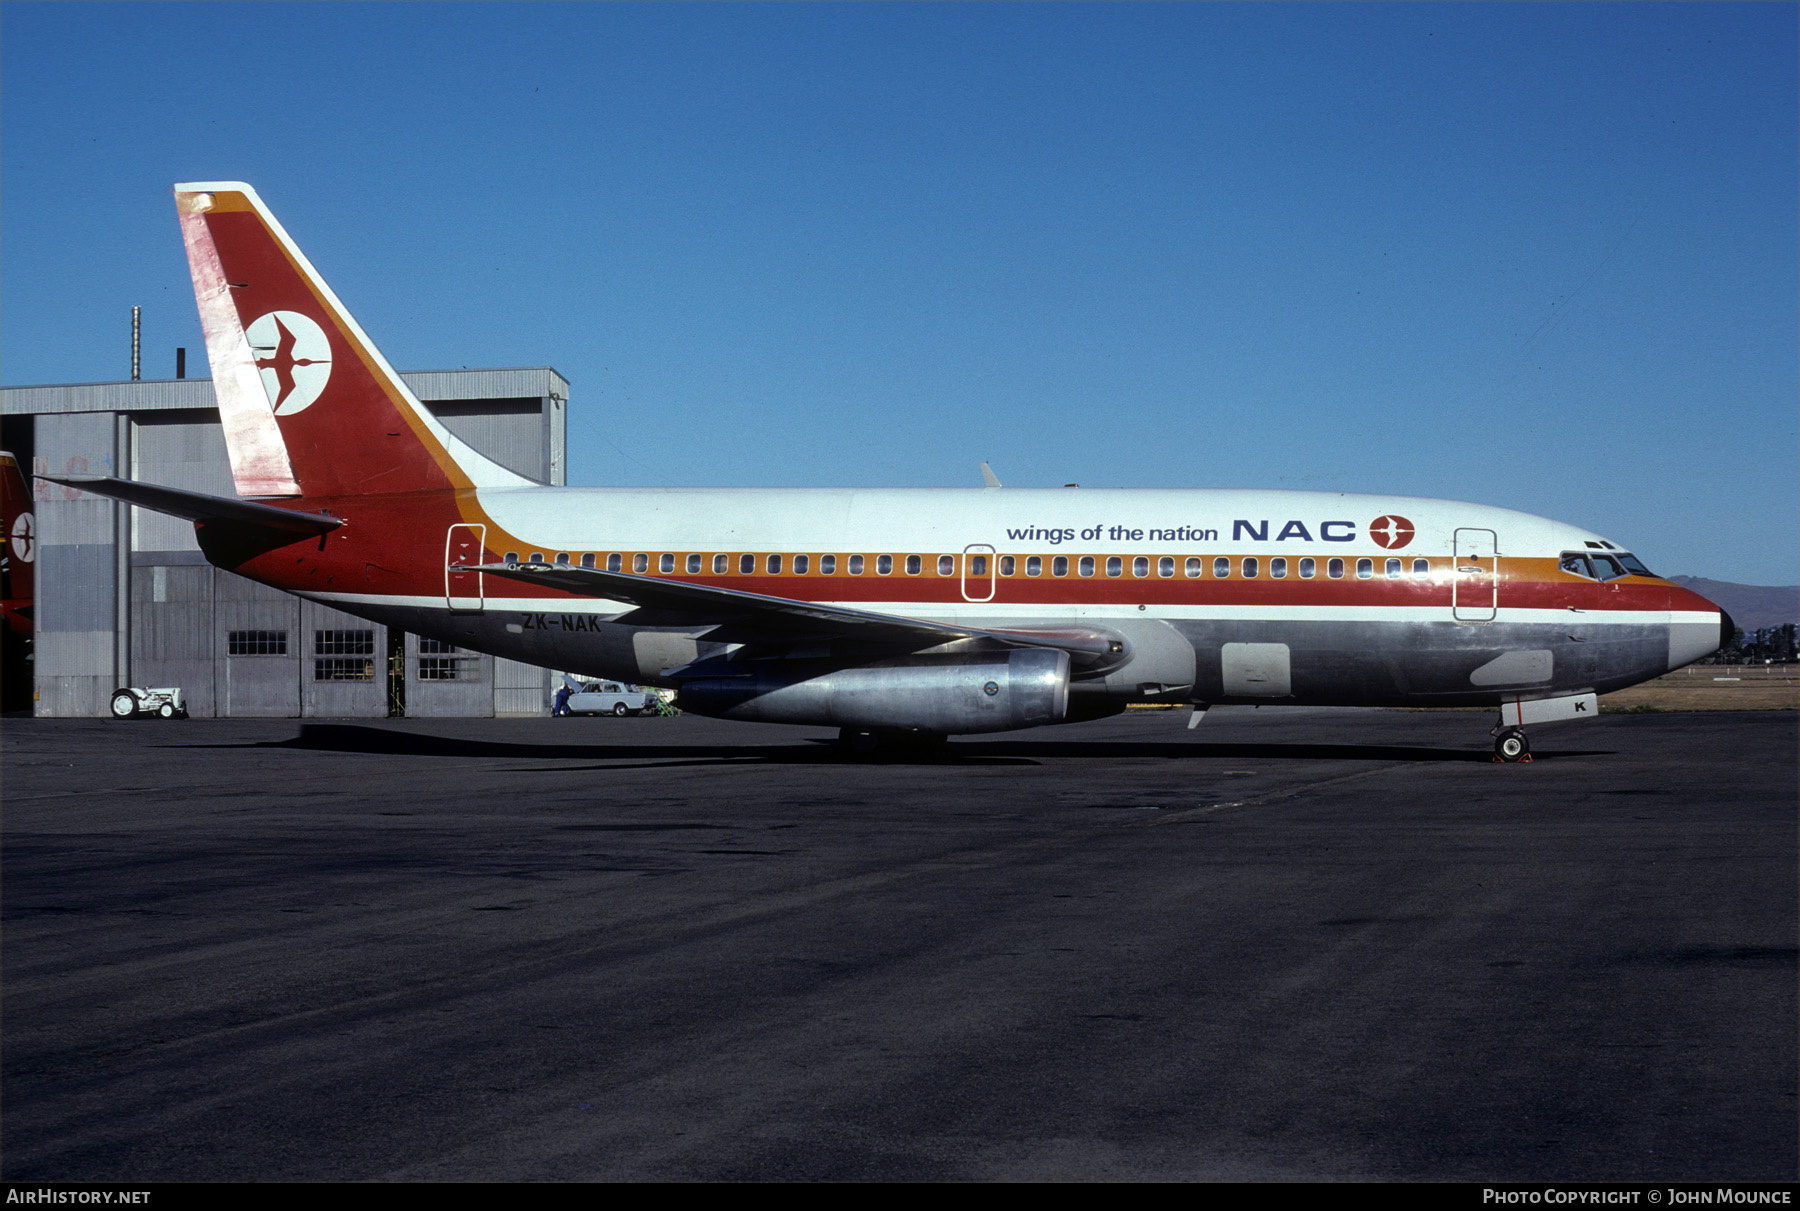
[(1607, 568), (1596, 566), (1576, 562), (1633, 564)]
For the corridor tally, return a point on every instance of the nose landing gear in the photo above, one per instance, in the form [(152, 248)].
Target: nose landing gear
[(1510, 745)]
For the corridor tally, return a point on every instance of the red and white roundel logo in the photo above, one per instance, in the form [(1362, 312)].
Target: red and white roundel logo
[(24, 538), (1392, 531), (293, 357)]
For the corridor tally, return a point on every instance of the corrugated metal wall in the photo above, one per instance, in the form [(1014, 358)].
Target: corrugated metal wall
[(125, 597)]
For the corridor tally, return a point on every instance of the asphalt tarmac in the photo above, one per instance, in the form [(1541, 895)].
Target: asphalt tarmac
[(1288, 945)]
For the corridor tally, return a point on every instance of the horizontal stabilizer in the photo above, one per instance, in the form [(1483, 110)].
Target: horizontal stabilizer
[(725, 607), (199, 507)]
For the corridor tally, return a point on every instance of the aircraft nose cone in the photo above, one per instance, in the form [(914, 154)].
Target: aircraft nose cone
[(1697, 628)]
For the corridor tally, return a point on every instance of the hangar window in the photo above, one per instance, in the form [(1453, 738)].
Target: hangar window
[(666, 563), (774, 565), (1007, 566), (1335, 569), (856, 565), (1221, 567), (1393, 569), (587, 559), (1278, 568), (640, 563), (1421, 567), (721, 564), (828, 565), (1365, 568), (1307, 568), (615, 562), (884, 565), (1114, 565), (1194, 566), (747, 565), (801, 563), (344, 655), (440, 661), (1165, 567), (1034, 565), (256, 643), (1059, 566), (946, 565)]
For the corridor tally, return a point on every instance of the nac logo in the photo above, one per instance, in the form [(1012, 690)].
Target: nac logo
[(293, 357), (1392, 531), (24, 539)]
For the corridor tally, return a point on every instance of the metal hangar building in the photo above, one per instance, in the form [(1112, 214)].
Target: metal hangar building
[(125, 598)]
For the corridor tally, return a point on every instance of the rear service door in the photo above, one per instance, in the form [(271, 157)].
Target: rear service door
[(1475, 588), (462, 590)]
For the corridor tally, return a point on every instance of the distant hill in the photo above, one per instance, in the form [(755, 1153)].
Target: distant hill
[(1751, 606)]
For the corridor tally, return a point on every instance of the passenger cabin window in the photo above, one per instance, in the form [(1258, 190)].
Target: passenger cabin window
[(1307, 568), (1007, 565), (1421, 567), (1114, 565), (693, 565), (747, 565), (856, 565), (884, 565), (1250, 567), (1086, 566), (828, 565), (1194, 565), (587, 560), (615, 562), (1140, 566), (946, 565), (1165, 567), (1393, 569), (1365, 568), (666, 563), (721, 564), (562, 557), (537, 557), (1335, 569), (801, 563), (1034, 565), (978, 565), (914, 564), (1059, 566), (1278, 568), (774, 565), (640, 563), (511, 557), (1221, 567)]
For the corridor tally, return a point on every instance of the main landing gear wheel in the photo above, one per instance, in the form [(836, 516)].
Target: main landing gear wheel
[(124, 704), (1510, 745), (621, 710)]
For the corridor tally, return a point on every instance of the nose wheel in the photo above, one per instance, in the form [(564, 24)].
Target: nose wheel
[(1510, 745)]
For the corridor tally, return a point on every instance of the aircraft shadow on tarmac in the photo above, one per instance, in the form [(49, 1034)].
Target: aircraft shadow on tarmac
[(354, 738)]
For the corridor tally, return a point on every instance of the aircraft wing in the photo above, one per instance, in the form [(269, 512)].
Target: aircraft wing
[(740, 617)]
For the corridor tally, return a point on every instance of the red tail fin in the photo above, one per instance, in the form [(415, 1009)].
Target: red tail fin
[(309, 405)]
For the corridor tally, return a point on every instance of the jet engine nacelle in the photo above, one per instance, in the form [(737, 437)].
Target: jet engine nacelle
[(949, 694)]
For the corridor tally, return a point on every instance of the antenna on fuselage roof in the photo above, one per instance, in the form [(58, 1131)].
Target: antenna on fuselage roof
[(988, 478)]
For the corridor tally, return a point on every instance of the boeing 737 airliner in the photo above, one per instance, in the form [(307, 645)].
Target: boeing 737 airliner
[(881, 612)]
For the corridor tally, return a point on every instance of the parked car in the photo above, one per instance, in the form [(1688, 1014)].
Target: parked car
[(613, 698)]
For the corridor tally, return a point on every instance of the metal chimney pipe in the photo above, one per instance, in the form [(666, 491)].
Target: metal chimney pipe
[(136, 328), (180, 362)]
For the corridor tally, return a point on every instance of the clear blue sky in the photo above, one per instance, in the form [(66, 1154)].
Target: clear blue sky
[(1541, 256)]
